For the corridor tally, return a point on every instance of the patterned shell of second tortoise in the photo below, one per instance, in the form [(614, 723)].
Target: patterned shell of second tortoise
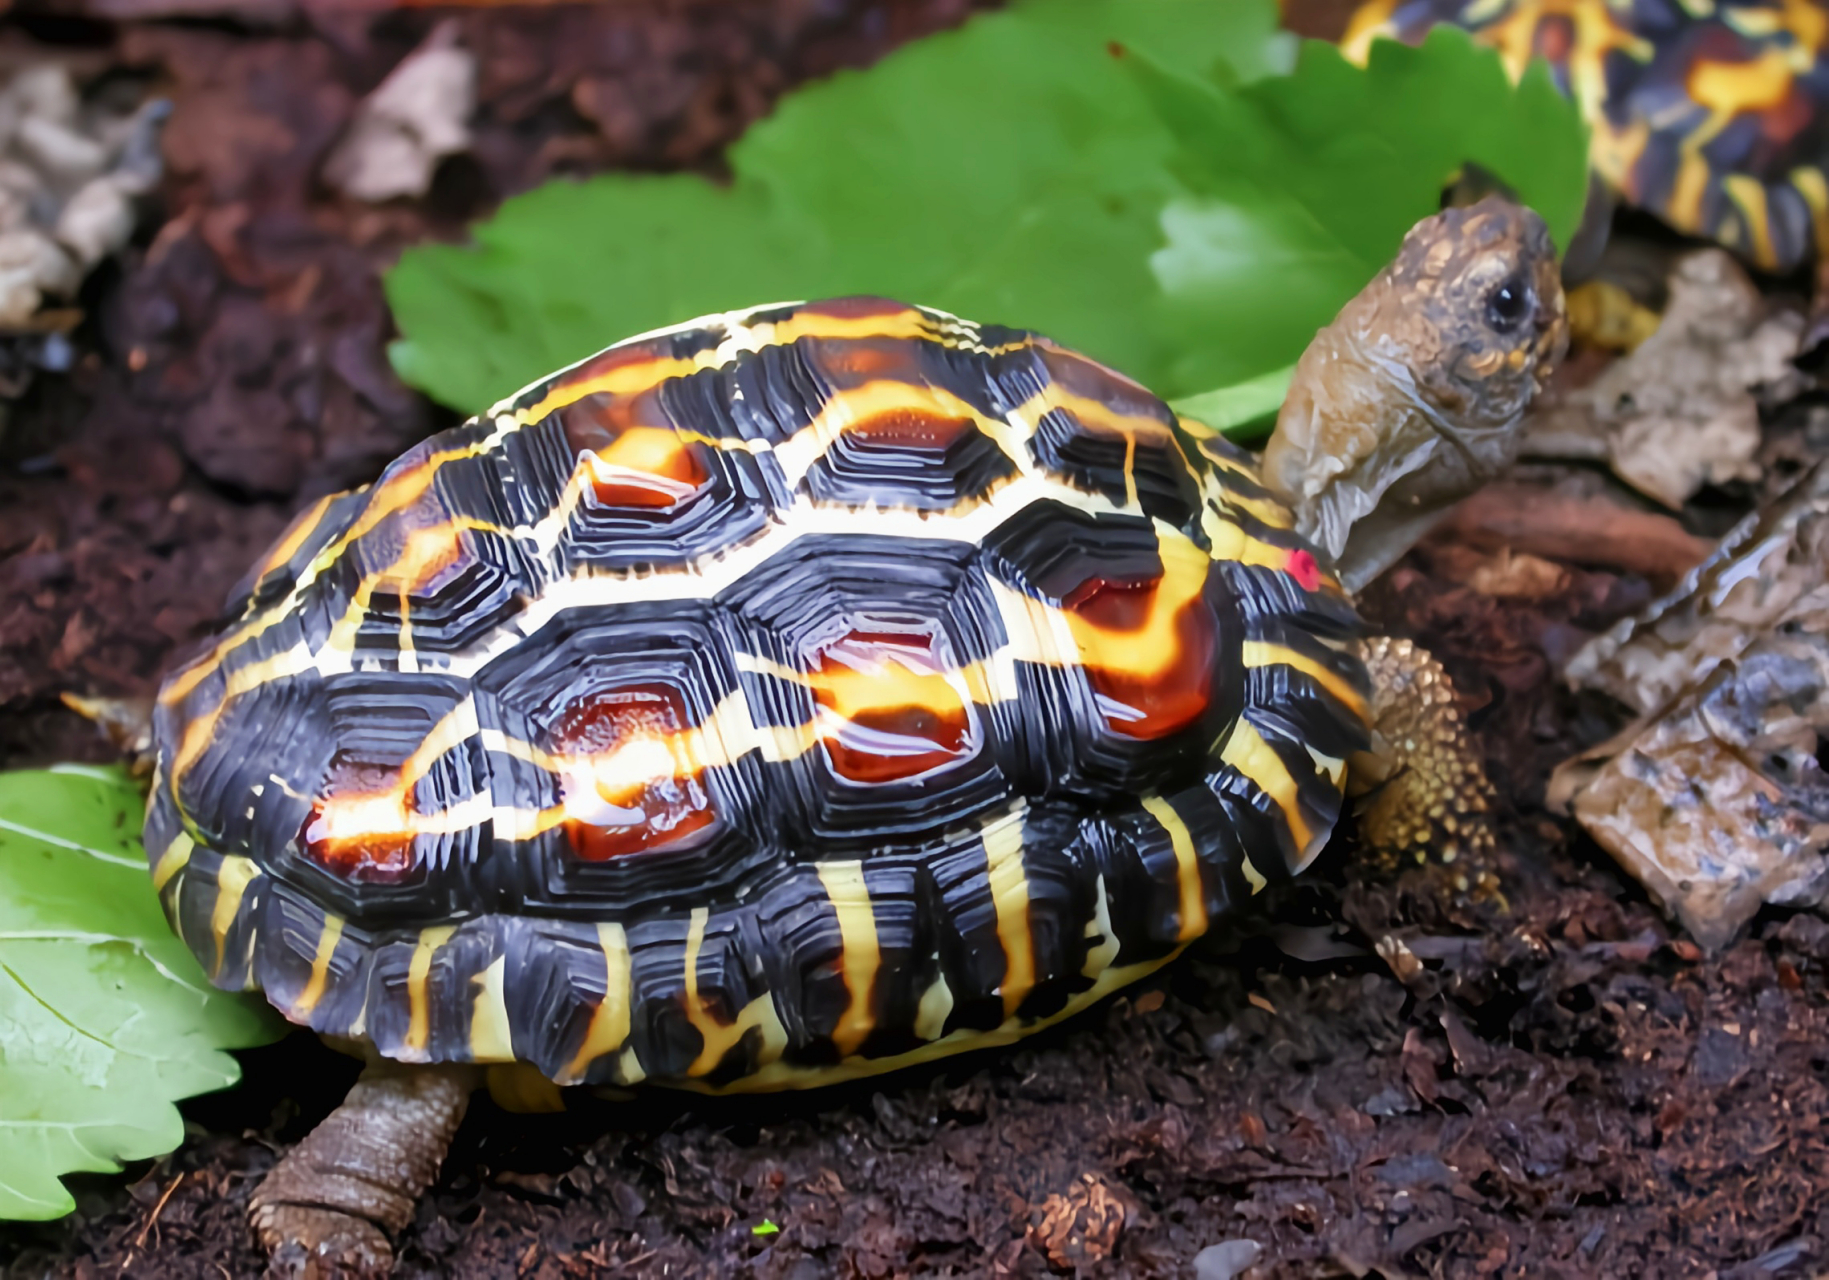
[(1712, 114), (785, 696)]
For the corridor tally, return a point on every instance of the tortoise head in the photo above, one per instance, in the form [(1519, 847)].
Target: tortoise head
[(1413, 397), (1478, 308)]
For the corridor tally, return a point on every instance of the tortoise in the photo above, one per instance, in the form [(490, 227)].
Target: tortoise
[(802, 692), (1711, 114)]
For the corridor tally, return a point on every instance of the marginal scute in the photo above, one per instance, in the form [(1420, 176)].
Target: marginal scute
[(774, 699)]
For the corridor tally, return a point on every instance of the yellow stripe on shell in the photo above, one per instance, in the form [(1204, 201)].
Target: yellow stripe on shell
[(1254, 654), (491, 1039), (608, 1030), (844, 410), (1009, 884), (197, 734), (720, 1038), (1101, 954), (1683, 210), (1193, 908), (233, 876), (418, 977), (861, 957), (1730, 89), (1369, 21), (328, 937), (935, 1008), (176, 857), (1748, 195), (1811, 184), (296, 535), (743, 338), (1246, 751)]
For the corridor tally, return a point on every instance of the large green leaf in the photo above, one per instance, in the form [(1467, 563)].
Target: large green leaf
[(105, 1018), (1161, 183), (1300, 187), (955, 172)]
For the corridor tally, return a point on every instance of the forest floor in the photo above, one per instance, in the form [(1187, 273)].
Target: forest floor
[(1564, 1087)]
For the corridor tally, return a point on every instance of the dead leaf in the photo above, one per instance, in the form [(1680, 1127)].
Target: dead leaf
[(1717, 804), (1716, 799), (416, 117), (1082, 1226), (1767, 570), (1681, 410)]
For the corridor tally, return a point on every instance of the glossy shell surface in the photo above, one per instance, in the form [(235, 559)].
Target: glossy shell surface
[(784, 696), (1712, 114)]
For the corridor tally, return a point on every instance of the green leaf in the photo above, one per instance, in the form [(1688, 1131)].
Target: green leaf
[(1300, 187), (954, 172), (105, 1018), (1161, 183), (764, 1228), (1243, 412)]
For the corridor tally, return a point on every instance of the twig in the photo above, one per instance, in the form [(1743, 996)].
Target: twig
[(1582, 530), (157, 1209)]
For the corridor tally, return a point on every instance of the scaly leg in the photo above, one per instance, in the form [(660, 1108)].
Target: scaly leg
[(1421, 791), (355, 1179)]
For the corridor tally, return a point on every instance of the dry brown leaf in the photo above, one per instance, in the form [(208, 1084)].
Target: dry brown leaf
[(1716, 799), (1718, 805), (416, 117), (1681, 411), (1769, 568)]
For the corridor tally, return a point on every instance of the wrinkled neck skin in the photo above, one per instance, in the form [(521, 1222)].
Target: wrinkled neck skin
[(1369, 453)]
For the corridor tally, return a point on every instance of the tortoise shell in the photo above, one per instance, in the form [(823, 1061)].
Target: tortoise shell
[(1711, 114), (780, 697)]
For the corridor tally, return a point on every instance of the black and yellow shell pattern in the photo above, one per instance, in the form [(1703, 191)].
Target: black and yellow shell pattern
[(785, 696), (1712, 114)]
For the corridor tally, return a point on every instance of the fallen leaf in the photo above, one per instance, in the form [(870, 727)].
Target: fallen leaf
[(1681, 411), (1715, 798), (416, 117), (1715, 803), (1767, 570)]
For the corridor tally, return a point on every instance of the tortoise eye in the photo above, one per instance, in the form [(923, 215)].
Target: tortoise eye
[(1506, 305)]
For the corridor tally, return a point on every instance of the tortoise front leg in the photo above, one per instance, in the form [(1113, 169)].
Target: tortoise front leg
[(356, 1178), (1422, 791)]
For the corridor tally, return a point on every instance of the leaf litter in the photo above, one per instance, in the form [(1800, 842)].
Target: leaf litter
[(1575, 1088)]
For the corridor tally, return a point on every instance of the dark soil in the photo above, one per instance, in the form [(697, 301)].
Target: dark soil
[(1558, 1087)]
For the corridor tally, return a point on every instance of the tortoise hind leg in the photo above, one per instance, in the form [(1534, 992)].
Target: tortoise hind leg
[(356, 1178), (1421, 791)]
